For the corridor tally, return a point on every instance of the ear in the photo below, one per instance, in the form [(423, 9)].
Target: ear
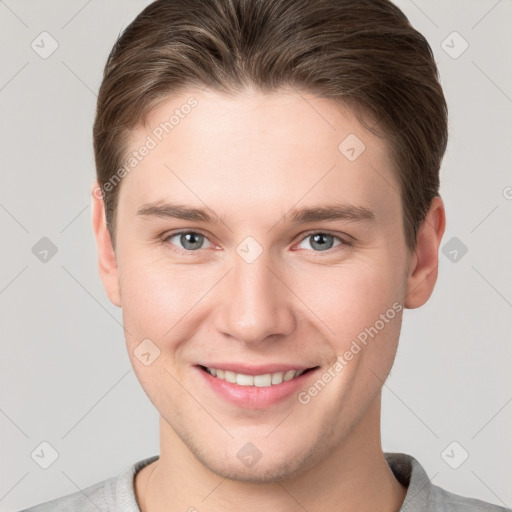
[(425, 259), (107, 263)]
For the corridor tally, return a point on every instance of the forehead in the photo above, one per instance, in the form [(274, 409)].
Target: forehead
[(256, 153)]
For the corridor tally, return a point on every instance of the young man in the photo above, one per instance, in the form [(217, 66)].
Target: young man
[(267, 205)]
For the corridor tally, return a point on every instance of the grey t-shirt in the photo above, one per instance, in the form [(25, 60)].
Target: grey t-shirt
[(117, 494)]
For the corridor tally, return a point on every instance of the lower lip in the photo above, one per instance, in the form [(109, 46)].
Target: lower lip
[(253, 397)]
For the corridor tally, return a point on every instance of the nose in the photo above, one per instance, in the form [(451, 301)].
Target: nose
[(256, 303)]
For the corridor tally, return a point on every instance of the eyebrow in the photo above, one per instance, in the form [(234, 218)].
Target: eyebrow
[(303, 215)]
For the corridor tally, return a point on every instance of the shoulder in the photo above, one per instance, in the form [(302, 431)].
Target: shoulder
[(110, 495), (91, 499), (446, 501), (423, 496)]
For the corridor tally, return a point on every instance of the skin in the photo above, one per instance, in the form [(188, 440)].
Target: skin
[(252, 158)]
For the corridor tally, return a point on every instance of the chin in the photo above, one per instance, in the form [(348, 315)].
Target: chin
[(268, 466), (263, 472)]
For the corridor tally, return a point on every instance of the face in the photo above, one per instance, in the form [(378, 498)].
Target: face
[(301, 265)]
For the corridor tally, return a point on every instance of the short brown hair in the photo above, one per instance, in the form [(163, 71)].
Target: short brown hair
[(363, 53)]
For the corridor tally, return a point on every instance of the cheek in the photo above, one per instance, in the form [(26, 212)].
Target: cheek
[(348, 298), (154, 296), (155, 306)]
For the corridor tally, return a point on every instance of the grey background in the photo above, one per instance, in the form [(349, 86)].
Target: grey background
[(66, 377)]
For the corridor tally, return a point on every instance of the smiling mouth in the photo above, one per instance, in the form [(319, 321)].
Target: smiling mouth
[(261, 381)]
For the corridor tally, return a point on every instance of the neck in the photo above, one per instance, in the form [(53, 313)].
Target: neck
[(354, 476)]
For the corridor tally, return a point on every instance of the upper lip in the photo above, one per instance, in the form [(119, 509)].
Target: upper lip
[(260, 369)]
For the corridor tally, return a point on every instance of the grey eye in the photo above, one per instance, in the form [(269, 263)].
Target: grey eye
[(189, 240), (321, 241)]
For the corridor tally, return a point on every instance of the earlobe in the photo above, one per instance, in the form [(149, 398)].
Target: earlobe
[(107, 264), (423, 266)]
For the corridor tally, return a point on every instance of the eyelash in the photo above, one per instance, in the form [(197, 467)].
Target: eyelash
[(344, 243)]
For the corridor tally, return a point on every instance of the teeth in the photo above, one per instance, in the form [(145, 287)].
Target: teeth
[(288, 375), (244, 380), (260, 381), (229, 376), (277, 378)]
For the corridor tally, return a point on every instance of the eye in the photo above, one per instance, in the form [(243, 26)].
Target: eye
[(190, 241), (321, 241)]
